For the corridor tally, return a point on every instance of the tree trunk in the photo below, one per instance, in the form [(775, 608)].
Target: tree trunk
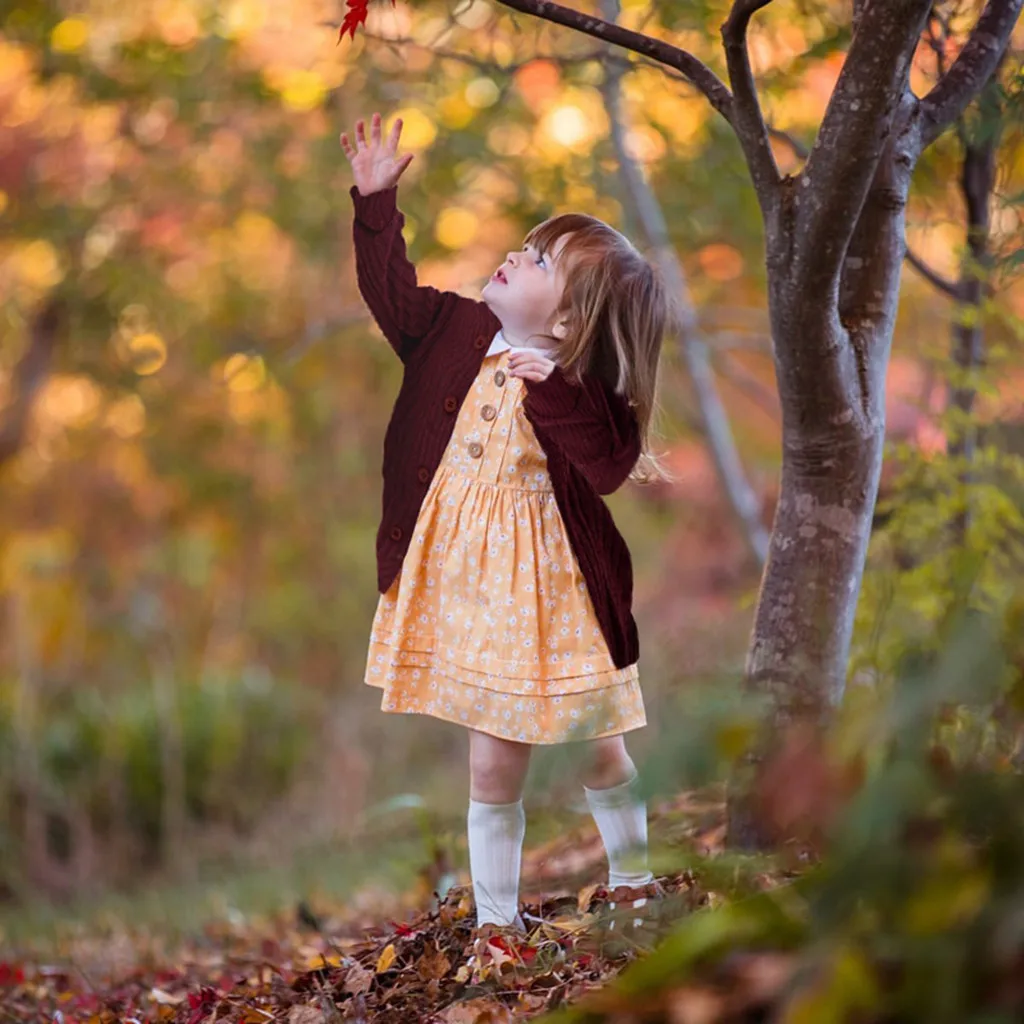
[(834, 241)]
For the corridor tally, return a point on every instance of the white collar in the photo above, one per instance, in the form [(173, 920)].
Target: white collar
[(499, 344)]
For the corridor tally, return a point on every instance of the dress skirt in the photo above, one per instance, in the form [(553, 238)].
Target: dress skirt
[(489, 623)]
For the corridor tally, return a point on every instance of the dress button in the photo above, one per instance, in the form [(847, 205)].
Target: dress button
[(396, 533), (480, 342), (450, 404), (488, 412), (423, 474), (476, 449), (499, 378)]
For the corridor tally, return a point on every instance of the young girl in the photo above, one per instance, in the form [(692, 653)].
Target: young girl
[(505, 586)]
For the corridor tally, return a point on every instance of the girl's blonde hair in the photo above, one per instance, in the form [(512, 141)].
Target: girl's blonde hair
[(614, 310)]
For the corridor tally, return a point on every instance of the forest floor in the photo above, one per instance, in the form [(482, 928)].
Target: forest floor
[(379, 956)]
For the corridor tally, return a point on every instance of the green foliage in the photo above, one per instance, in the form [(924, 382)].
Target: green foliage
[(242, 742), (952, 531)]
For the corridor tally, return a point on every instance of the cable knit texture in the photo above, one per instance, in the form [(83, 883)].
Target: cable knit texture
[(588, 432)]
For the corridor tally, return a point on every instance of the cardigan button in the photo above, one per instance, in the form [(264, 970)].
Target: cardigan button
[(396, 533), (476, 449), (450, 404), (488, 412), (423, 474), (499, 378), (480, 341)]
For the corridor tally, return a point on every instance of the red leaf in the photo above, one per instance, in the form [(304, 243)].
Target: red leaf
[(354, 17), (11, 974), (201, 1003)]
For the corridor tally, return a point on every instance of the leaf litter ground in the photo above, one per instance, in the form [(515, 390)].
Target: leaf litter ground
[(301, 968)]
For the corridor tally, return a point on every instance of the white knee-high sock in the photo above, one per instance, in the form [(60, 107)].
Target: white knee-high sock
[(496, 834), (622, 821)]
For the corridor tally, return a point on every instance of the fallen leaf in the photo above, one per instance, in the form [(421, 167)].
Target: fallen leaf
[(386, 958), (158, 995), (433, 964), (476, 1011), (305, 1015), (586, 895), (358, 980)]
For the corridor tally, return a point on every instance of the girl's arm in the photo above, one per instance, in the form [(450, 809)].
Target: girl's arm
[(595, 427), (404, 310)]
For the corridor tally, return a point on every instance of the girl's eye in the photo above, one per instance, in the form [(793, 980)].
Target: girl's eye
[(539, 260)]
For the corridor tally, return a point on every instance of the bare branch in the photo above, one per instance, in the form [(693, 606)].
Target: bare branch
[(971, 70), (930, 274), (835, 181), (693, 70), (748, 120)]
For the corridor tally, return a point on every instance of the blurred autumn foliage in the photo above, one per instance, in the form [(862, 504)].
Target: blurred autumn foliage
[(192, 405)]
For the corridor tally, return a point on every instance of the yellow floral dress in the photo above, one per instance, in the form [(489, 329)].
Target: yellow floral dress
[(489, 623)]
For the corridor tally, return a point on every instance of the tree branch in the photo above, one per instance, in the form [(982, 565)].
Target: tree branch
[(835, 181), (748, 120), (971, 70), (931, 275), (29, 377), (692, 69)]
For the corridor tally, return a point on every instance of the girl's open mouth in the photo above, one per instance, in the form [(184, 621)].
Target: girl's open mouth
[(499, 276)]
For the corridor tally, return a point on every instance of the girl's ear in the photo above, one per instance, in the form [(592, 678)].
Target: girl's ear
[(560, 330)]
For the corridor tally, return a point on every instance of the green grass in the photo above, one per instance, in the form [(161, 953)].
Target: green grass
[(177, 909)]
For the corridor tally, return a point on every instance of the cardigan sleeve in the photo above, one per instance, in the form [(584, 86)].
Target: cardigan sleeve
[(404, 310), (593, 426)]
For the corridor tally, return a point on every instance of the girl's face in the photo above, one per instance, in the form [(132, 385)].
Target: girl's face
[(524, 292)]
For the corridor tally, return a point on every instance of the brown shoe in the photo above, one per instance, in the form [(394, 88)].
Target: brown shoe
[(633, 916)]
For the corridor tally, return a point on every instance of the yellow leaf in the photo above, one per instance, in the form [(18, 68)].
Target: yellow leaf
[(585, 896), (386, 958)]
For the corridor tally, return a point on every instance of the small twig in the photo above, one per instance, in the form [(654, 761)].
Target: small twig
[(944, 284)]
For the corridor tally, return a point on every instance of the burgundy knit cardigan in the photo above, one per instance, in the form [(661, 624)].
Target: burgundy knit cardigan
[(589, 433)]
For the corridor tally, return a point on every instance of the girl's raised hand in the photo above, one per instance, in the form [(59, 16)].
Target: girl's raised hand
[(375, 165)]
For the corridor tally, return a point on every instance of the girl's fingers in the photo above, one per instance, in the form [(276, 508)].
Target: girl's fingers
[(396, 131), (375, 129), (360, 133), (347, 146), (403, 163)]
